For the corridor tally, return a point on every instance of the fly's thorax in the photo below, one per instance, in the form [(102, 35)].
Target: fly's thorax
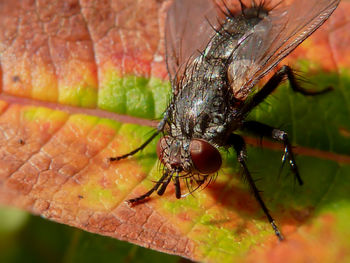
[(203, 106), (195, 156)]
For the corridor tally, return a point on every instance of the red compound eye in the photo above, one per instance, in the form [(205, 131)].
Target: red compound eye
[(205, 157)]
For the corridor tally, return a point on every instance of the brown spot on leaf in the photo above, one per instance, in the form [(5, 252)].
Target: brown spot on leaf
[(16, 78)]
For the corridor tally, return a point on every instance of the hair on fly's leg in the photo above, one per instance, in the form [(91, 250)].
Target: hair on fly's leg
[(238, 144), (295, 82), (278, 135)]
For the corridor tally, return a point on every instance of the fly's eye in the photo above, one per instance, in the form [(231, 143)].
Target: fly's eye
[(205, 157), (161, 145)]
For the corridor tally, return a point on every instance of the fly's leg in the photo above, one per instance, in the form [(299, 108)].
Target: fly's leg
[(162, 181), (160, 128), (239, 145), (141, 147), (164, 186), (177, 187), (279, 135), (273, 83)]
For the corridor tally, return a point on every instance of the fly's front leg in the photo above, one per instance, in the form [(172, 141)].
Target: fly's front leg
[(261, 129), (160, 128), (113, 159), (239, 145), (164, 181), (273, 83)]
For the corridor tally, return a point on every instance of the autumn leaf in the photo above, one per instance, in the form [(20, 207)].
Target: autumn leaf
[(82, 81)]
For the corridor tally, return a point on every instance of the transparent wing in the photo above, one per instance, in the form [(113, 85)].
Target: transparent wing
[(273, 38), (189, 28)]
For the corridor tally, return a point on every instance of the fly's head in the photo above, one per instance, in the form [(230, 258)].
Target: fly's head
[(189, 157)]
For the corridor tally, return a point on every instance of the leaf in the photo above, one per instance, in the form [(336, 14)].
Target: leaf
[(65, 65)]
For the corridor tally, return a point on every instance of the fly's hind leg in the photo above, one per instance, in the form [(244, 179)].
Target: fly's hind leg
[(273, 83), (264, 130), (239, 145)]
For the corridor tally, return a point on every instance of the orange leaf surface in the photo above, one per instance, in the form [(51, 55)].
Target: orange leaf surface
[(76, 75)]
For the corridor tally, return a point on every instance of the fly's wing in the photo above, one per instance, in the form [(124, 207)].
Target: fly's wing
[(188, 29), (273, 38)]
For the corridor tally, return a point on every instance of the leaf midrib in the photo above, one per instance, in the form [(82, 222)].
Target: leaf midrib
[(305, 151)]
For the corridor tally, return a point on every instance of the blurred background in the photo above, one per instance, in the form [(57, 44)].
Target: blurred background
[(27, 238)]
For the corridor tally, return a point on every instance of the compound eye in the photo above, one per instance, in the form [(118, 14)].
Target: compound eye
[(205, 157)]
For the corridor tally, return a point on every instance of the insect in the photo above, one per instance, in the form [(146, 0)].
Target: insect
[(216, 52)]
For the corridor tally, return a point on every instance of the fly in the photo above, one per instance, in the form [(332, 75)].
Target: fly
[(216, 52)]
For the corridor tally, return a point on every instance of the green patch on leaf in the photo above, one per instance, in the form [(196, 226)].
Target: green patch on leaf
[(83, 121), (43, 115), (94, 195), (111, 124), (82, 96), (135, 96), (134, 136)]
